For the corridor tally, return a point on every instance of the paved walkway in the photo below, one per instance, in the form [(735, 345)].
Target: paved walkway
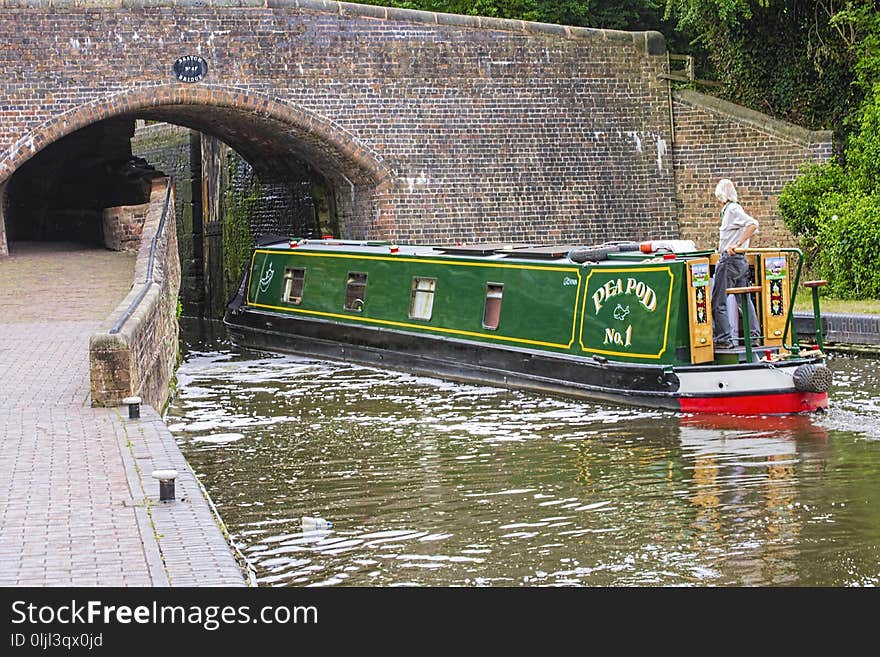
[(77, 504)]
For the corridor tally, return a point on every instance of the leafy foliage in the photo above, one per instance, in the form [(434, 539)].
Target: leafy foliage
[(863, 153), (801, 200), (834, 209), (849, 236), (793, 59)]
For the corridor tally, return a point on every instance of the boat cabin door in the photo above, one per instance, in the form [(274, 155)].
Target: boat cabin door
[(773, 277)]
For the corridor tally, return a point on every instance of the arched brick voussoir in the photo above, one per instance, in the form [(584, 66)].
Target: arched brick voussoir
[(250, 122)]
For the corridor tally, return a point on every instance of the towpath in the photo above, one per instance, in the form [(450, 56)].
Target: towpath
[(77, 504)]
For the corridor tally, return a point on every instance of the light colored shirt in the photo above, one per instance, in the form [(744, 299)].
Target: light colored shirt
[(733, 221)]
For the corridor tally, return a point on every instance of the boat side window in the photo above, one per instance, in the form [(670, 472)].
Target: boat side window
[(355, 291), (492, 309), (294, 278), (421, 304)]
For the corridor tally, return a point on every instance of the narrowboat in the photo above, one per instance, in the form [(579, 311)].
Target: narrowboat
[(626, 323)]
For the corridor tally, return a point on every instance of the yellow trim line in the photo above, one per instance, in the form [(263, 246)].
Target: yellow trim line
[(420, 327)]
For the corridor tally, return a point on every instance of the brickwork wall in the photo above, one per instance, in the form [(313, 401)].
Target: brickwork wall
[(140, 359), (715, 139), (167, 147), (123, 226), (429, 127), (285, 207)]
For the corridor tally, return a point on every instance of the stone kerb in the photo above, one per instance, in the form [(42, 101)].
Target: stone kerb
[(140, 358), (4, 247)]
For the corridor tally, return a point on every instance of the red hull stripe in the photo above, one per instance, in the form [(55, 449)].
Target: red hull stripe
[(786, 402)]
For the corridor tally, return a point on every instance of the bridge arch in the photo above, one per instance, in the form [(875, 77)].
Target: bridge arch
[(272, 135)]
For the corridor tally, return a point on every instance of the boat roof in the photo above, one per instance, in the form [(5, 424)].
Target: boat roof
[(551, 253)]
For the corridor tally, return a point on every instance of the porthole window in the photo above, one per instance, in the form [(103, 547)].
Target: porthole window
[(492, 309), (421, 304), (355, 291), (292, 290)]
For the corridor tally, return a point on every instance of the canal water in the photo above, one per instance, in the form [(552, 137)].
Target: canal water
[(432, 483)]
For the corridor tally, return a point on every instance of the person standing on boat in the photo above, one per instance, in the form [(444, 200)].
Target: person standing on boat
[(732, 270)]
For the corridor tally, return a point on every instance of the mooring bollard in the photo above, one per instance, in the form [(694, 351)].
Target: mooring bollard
[(166, 484), (134, 407)]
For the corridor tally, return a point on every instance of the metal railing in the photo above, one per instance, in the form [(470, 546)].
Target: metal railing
[(136, 301), (794, 347)]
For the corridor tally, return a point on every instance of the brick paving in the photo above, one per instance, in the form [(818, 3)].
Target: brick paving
[(77, 504)]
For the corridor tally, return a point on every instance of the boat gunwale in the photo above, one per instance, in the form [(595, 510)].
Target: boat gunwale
[(602, 362), (592, 392), (498, 258)]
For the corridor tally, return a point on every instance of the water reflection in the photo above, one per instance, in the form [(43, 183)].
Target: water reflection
[(428, 482)]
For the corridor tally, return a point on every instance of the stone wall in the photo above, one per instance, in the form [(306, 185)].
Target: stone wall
[(140, 359), (428, 127), (123, 226), (715, 139), (168, 148)]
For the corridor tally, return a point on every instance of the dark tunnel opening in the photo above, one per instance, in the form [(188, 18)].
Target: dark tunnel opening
[(59, 194), (237, 176)]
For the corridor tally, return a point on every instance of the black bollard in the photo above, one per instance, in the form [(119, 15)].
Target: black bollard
[(134, 407), (166, 484)]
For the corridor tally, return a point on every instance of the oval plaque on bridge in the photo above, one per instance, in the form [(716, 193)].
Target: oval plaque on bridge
[(190, 68)]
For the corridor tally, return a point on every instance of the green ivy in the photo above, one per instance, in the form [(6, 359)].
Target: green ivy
[(863, 152), (793, 59), (834, 209), (238, 206)]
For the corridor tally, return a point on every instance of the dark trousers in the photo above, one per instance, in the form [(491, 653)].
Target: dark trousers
[(731, 271)]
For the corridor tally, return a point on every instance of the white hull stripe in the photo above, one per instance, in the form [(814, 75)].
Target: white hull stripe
[(726, 382)]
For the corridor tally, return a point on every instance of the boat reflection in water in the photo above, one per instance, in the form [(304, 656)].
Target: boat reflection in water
[(768, 435), (746, 472), (433, 483)]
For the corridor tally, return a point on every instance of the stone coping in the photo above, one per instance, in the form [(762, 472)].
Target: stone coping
[(126, 373), (846, 328), (151, 225), (775, 127), (651, 42)]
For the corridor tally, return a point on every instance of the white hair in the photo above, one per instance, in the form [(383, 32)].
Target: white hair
[(725, 191)]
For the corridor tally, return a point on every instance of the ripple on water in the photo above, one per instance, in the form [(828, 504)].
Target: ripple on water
[(429, 482)]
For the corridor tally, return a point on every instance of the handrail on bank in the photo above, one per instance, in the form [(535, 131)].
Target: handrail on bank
[(136, 301)]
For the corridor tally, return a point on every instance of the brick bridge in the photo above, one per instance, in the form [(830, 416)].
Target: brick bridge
[(426, 126)]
